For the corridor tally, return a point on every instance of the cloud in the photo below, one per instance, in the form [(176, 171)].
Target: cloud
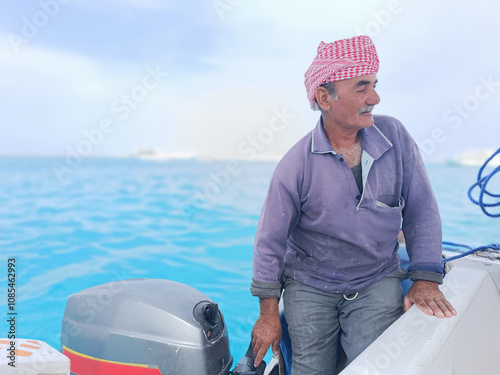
[(51, 95), (68, 93), (226, 76)]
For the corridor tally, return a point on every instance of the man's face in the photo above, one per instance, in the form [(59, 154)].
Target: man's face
[(356, 98)]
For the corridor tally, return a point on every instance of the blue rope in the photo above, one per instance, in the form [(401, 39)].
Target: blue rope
[(453, 246), (482, 182), (493, 246)]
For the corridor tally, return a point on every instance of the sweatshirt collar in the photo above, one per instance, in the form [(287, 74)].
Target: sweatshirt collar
[(374, 142)]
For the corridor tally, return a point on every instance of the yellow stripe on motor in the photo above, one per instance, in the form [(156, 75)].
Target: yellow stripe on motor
[(104, 360)]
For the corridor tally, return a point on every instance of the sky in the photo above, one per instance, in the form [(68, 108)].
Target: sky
[(225, 78)]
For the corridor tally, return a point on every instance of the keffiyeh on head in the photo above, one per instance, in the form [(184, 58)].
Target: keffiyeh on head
[(343, 59)]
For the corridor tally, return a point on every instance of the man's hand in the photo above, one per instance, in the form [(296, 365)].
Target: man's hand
[(427, 296), (267, 329)]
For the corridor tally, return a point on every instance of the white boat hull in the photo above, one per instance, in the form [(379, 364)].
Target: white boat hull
[(418, 344)]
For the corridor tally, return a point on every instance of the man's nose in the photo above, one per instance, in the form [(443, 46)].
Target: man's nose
[(373, 98)]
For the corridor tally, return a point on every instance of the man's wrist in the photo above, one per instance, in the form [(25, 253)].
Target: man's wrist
[(433, 277), (269, 307), (426, 283)]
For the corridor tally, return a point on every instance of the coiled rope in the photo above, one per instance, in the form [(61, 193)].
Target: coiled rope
[(482, 182)]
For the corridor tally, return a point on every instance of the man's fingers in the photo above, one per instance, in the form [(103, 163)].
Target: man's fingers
[(407, 303), (424, 306), (450, 307), (260, 351), (436, 310), (259, 356), (439, 308), (256, 346), (446, 308), (276, 346), (254, 342)]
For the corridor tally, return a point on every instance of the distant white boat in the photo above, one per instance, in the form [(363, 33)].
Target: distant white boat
[(157, 154), (476, 158)]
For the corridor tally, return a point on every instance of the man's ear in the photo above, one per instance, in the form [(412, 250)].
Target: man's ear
[(323, 98)]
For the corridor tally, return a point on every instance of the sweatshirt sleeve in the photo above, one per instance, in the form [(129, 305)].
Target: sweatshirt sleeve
[(421, 221), (280, 215)]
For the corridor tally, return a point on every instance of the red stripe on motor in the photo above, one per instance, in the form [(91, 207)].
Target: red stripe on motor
[(92, 366)]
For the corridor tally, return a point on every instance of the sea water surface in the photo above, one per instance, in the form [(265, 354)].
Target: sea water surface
[(71, 227)]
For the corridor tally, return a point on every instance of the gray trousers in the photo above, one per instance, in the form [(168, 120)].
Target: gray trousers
[(317, 320)]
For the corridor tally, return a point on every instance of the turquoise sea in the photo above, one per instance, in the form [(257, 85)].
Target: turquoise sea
[(71, 226)]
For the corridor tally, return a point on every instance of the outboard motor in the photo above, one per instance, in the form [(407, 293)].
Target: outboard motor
[(144, 327)]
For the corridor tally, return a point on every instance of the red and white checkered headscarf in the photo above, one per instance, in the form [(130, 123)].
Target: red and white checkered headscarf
[(343, 59)]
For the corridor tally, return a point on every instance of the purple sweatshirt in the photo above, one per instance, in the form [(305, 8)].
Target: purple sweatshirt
[(318, 228)]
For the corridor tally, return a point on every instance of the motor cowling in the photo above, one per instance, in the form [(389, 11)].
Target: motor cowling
[(145, 326)]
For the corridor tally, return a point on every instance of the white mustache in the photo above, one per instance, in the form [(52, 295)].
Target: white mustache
[(368, 108)]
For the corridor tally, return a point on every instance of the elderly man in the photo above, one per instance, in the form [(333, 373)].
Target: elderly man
[(329, 227)]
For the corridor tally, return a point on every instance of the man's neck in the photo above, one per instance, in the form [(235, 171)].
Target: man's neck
[(345, 141), (339, 136)]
